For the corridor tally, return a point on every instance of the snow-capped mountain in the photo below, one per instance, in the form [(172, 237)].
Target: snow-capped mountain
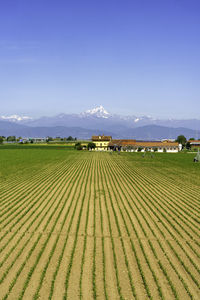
[(99, 119), (16, 118), (98, 112)]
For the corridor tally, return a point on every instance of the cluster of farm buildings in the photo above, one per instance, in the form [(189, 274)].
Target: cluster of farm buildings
[(106, 143)]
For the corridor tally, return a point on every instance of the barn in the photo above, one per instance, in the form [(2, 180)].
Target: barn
[(135, 146)]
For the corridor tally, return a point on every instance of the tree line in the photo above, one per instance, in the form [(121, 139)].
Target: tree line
[(13, 138)]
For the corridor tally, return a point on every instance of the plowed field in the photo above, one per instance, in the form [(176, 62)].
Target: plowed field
[(83, 225)]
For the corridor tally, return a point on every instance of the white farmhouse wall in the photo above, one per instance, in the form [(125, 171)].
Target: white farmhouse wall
[(172, 150), (180, 147)]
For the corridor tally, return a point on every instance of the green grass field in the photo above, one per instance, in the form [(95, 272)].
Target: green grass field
[(87, 225)]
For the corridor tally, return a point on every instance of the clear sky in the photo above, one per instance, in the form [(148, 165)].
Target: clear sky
[(131, 56)]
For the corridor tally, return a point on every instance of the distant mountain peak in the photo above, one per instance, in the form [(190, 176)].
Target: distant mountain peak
[(98, 111), (15, 118), (136, 120)]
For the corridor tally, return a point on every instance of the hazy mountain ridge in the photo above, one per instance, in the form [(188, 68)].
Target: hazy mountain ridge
[(98, 121), (8, 128), (148, 132), (99, 117)]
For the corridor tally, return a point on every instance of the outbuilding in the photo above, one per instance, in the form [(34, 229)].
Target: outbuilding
[(194, 143), (136, 146)]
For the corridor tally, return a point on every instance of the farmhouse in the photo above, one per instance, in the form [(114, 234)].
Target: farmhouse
[(101, 142), (104, 143)]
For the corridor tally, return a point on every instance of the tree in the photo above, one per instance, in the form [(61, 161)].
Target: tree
[(49, 139), (91, 146), (11, 138), (1, 140), (78, 146), (188, 145), (181, 139), (192, 139), (70, 138)]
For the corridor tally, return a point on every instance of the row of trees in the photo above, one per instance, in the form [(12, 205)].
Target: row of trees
[(48, 139), (11, 138), (65, 139)]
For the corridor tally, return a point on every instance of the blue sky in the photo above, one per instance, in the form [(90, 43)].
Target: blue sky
[(133, 57)]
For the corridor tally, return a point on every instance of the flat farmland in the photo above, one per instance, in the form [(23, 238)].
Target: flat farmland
[(85, 225)]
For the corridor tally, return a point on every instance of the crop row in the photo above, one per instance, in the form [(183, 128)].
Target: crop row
[(99, 226), (140, 192), (50, 211)]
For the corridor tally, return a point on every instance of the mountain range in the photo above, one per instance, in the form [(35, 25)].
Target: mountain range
[(98, 121)]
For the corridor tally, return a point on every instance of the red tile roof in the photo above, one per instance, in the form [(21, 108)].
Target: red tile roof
[(194, 142), (122, 143), (157, 144)]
